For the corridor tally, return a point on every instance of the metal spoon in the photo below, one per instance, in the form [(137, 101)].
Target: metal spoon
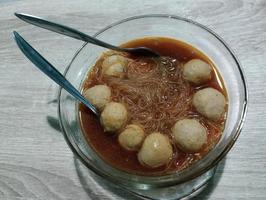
[(52, 26), (50, 70)]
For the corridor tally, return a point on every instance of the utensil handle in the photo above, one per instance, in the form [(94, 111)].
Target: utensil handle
[(50, 71), (62, 29)]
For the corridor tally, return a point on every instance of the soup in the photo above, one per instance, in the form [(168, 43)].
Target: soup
[(158, 114)]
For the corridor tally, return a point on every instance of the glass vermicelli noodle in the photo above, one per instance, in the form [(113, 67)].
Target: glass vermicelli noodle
[(156, 96), (150, 86)]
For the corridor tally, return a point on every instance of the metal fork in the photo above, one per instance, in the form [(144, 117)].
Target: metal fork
[(47, 68)]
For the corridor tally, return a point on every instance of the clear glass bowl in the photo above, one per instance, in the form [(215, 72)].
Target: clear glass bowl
[(155, 25)]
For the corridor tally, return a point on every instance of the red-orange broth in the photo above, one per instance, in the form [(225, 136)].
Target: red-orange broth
[(107, 146)]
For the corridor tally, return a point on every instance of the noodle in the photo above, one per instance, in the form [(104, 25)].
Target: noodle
[(156, 97), (153, 90)]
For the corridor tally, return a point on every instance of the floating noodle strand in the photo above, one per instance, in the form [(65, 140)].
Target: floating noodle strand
[(156, 96), (153, 90)]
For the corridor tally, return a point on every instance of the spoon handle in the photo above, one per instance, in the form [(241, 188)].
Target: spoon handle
[(62, 29), (50, 71)]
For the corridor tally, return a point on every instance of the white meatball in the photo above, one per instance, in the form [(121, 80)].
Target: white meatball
[(210, 103), (114, 65), (156, 150), (116, 70), (110, 60), (114, 116), (197, 71), (98, 95), (189, 135), (131, 138)]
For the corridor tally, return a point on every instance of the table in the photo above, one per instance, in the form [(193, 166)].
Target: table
[(35, 161)]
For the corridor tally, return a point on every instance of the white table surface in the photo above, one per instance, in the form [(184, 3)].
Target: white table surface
[(35, 161)]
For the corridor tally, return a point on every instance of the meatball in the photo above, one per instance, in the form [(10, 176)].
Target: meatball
[(189, 135), (210, 103), (114, 65), (132, 137), (156, 150), (98, 95), (113, 117), (116, 70), (197, 71), (110, 60)]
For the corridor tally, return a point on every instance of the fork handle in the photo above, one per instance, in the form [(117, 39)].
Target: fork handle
[(48, 69)]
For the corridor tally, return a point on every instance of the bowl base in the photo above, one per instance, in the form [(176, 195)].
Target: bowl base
[(93, 183), (181, 191)]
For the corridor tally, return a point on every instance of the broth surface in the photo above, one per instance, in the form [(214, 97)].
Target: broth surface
[(150, 103)]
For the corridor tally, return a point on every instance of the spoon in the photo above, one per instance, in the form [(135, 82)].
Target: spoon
[(50, 70), (62, 29)]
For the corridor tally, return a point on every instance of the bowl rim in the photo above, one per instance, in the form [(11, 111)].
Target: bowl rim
[(222, 154)]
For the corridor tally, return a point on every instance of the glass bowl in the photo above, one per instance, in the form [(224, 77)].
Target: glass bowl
[(155, 25)]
